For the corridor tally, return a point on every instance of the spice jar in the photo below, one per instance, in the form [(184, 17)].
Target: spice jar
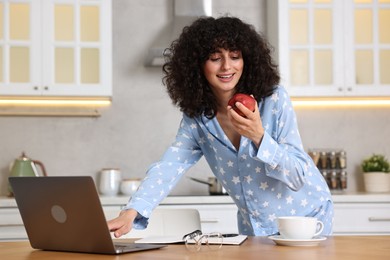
[(332, 164), (343, 180), (326, 177), (332, 159), (324, 160), (315, 156), (333, 180), (342, 159)]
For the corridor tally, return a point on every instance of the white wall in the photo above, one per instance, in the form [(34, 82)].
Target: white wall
[(141, 123)]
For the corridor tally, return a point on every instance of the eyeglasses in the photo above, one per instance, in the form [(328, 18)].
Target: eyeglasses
[(196, 239)]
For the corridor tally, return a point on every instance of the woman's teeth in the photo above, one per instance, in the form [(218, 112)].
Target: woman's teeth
[(225, 76)]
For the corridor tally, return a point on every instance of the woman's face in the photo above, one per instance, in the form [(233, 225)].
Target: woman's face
[(223, 70)]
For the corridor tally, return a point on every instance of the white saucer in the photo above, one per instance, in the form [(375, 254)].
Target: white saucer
[(315, 241)]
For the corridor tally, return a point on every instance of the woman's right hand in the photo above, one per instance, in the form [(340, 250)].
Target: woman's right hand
[(249, 126), (122, 224)]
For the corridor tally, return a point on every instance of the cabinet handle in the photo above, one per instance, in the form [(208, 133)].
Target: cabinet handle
[(46, 88), (11, 225), (375, 219), (211, 220)]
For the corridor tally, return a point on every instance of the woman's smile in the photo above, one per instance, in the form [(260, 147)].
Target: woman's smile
[(226, 77)]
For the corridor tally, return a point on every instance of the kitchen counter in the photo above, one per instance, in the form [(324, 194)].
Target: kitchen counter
[(355, 213), (338, 247), (122, 200), (357, 197)]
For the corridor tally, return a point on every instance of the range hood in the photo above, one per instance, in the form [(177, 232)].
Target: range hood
[(185, 12)]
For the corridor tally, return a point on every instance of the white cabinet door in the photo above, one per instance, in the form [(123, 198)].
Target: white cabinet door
[(362, 219), (56, 48), (308, 47), (331, 48), (367, 47)]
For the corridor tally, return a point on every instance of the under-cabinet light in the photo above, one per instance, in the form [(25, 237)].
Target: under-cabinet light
[(356, 102), (56, 102)]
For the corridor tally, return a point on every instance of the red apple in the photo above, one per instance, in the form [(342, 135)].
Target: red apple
[(246, 100)]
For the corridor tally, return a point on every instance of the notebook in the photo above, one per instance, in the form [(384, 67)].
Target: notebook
[(226, 240), (64, 213)]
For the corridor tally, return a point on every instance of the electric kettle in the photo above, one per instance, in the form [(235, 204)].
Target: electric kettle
[(24, 166)]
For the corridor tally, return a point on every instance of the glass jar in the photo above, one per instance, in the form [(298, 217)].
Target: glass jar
[(333, 180), (333, 160), (343, 180), (342, 159), (324, 160)]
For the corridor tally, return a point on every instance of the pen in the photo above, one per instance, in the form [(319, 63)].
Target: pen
[(229, 235)]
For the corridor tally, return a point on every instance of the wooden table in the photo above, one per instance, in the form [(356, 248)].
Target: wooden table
[(337, 247)]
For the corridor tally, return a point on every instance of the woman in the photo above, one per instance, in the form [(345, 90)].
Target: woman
[(258, 158)]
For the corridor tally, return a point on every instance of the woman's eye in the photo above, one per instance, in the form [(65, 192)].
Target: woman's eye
[(214, 58)]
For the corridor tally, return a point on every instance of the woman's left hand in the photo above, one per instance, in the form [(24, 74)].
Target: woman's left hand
[(249, 126)]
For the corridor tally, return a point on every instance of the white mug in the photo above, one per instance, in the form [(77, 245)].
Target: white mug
[(299, 227), (109, 181)]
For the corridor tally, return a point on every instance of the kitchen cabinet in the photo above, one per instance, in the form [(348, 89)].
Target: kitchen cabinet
[(220, 218), (355, 214), (11, 224), (368, 215), (55, 48), (216, 214), (329, 48)]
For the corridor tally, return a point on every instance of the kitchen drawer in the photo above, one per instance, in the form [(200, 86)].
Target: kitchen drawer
[(11, 225), (218, 218), (10, 216), (215, 217), (362, 218), (12, 232)]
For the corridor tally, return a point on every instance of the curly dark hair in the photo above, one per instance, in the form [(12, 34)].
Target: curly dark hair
[(184, 59)]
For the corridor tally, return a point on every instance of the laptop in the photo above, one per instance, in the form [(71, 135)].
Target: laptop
[(64, 213)]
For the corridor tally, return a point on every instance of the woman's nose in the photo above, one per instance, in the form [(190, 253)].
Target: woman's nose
[(226, 64)]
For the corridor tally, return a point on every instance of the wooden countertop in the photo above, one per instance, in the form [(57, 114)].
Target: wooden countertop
[(336, 247)]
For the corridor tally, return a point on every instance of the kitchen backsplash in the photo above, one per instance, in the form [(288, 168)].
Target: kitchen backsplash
[(141, 123)]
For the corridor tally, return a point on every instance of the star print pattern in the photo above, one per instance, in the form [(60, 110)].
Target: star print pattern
[(276, 179)]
